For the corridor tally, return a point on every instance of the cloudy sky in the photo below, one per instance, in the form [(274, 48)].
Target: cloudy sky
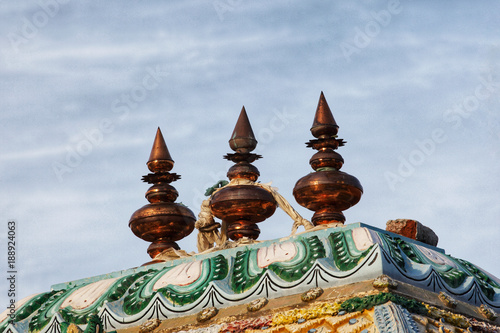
[(413, 85)]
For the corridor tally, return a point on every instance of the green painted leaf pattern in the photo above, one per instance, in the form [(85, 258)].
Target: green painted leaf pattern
[(246, 273), (343, 255), (117, 290), (213, 269), (394, 250), (136, 301), (453, 277), (94, 325), (141, 293), (368, 302), (33, 305), (48, 309), (408, 250), (242, 278), (314, 250), (484, 281)]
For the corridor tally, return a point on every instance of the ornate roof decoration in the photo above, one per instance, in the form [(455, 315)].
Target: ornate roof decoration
[(242, 206), (328, 191), (355, 255), (162, 221), (332, 277)]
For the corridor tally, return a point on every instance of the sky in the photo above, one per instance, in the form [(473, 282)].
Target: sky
[(413, 85)]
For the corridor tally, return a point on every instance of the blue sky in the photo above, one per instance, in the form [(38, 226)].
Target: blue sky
[(413, 85)]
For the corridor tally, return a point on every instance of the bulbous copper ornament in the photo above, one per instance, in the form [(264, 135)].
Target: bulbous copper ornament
[(242, 206), (327, 191), (162, 221)]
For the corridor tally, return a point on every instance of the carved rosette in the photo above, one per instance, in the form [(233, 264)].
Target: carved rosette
[(241, 207), (162, 221), (328, 191)]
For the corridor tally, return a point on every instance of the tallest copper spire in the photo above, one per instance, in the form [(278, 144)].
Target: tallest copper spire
[(324, 124), (328, 191)]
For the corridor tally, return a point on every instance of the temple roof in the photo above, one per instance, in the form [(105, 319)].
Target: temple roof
[(332, 277), (356, 255)]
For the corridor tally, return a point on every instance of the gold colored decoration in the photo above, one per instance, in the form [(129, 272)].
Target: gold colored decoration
[(449, 317), (149, 326), (311, 294), (488, 312), (257, 304), (384, 282), (447, 300), (321, 321), (292, 316), (72, 328), (207, 314)]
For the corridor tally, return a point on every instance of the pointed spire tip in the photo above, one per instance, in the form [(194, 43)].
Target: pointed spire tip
[(324, 123), (160, 159), (243, 139)]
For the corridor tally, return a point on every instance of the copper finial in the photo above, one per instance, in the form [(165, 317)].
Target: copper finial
[(243, 205), (162, 221), (243, 139), (159, 159), (324, 124), (328, 191)]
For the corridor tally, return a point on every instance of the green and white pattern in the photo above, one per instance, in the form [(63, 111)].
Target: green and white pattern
[(272, 269)]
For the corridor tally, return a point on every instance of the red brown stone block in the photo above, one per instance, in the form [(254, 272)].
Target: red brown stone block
[(413, 229)]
